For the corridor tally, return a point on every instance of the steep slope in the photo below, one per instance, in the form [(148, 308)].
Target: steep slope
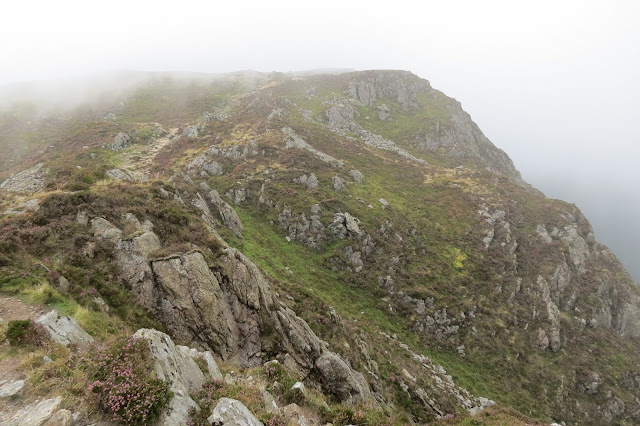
[(428, 279)]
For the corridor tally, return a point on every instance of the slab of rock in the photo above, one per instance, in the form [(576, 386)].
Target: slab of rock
[(176, 365), (172, 363), (29, 180), (231, 412), (119, 174), (64, 330), (11, 389), (60, 418), (35, 414)]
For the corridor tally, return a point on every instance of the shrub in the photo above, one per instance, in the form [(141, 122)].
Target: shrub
[(24, 333), (126, 386)]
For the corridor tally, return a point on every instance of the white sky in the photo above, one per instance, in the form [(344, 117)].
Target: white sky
[(553, 83)]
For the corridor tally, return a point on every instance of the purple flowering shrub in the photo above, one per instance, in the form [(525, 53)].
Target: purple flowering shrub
[(126, 386)]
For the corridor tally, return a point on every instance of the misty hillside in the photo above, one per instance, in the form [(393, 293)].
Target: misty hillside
[(295, 249)]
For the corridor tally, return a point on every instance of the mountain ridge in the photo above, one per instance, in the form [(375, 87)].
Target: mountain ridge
[(370, 186)]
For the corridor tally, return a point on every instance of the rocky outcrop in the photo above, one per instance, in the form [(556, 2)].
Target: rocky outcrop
[(341, 119), (228, 215), (191, 131), (460, 138), (231, 412), (292, 140), (403, 87), (120, 142), (177, 366), (120, 175), (30, 180), (227, 307), (205, 166), (64, 330), (311, 181)]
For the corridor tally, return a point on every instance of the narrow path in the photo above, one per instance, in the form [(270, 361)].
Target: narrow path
[(139, 159)]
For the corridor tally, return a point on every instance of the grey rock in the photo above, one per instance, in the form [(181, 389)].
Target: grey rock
[(176, 365), (292, 140), (340, 118), (315, 209), (29, 180), (120, 175), (173, 364), (82, 217), (231, 412), (120, 142), (356, 175), (64, 330), (235, 152), (60, 418), (338, 183), (228, 215), (385, 203), (26, 206), (35, 414), (299, 390), (311, 181), (270, 404), (205, 165), (340, 380), (63, 284), (384, 113), (11, 389), (191, 131)]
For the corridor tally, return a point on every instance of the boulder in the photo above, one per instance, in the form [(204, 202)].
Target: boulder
[(11, 389), (338, 183), (356, 175), (64, 330), (340, 380), (231, 412), (120, 142)]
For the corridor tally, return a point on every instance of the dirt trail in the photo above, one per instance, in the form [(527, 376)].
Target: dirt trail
[(12, 309), (139, 159)]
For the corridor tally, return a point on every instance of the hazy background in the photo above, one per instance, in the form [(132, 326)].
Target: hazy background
[(553, 83)]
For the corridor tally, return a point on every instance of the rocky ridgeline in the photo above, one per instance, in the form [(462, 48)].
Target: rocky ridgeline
[(235, 314)]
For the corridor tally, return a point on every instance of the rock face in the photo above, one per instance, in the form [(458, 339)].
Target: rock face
[(461, 138), (231, 412), (176, 365), (64, 330), (227, 308), (29, 180)]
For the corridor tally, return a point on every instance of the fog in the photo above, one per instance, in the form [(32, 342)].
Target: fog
[(553, 83)]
